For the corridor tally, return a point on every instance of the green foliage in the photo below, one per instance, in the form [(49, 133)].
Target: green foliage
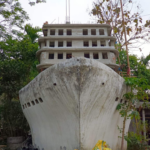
[(32, 32), (138, 66), (12, 120), (17, 66), (128, 110), (136, 142), (12, 16)]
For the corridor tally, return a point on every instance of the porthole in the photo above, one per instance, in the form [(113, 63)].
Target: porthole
[(40, 99)]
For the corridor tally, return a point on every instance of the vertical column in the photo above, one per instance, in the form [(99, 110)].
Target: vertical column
[(98, 43), (42, 45), (64, 55), (100, 55), (56, 43), (64, 43), (56, 31), (65, 31), (55, 55), (48, 32), (89, 31), (97, 32), (91, 55), (107, 43), (143, 117), (47, 43), (90, 43)]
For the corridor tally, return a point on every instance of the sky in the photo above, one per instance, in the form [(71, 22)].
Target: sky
[(54, 11)]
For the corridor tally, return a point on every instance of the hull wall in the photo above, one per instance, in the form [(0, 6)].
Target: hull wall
[(77, 108)]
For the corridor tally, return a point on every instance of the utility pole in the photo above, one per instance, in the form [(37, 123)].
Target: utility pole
[(125, 36)]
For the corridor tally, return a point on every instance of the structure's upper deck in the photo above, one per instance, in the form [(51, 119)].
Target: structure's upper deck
[(63, 41)]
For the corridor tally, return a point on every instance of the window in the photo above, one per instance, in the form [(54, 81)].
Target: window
[(52, 44), (40, 99), (60, 56), (95, 56), (60, 44), (60, 32), (45, 32), (23, 106), (85, 31), (104, 55), (51, 56), (28, 104), (101, 31), (69, 32), (94, 43), (103, 43), (86, 55), (33, 103), (68, 56), (69, 43), (36, 101), (93, 31), (86, 43), (52, 32)]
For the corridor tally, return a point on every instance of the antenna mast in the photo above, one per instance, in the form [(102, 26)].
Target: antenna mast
[(67, 11)]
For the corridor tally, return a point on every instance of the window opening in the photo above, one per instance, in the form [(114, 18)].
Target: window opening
[(45, 32), (95, 56), (60, 56), (85, 31), (86, 43), (52, 32), (60, 32), (52, 44), (36, 101), (60, 44), (25, 105), (33, 103), (93, 31), (101, 31), (94, 43), (28, 104), (68, 56), (104, 55), (51, 56), (69, 32), (86, 55), (103, 43), (69, 43), (40, 99)]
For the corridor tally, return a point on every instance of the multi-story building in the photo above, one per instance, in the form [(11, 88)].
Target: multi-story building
[(64, 41)]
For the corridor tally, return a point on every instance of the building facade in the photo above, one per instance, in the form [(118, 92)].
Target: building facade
[(64, 41)]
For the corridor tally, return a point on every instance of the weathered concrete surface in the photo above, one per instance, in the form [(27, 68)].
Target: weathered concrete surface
[(78, 107)]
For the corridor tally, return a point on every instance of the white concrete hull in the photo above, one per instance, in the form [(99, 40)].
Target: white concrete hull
[(78, 107)]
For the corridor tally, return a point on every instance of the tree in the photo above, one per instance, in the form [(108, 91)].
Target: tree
[(17, 66), (138, 66), (128, 109), (12, 18), (32, 32), (109, 11)]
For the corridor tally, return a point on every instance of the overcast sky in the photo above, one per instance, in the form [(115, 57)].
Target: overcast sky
[(54, 11)]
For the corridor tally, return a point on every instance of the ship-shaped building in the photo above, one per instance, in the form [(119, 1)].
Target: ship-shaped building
[(72, 103)]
